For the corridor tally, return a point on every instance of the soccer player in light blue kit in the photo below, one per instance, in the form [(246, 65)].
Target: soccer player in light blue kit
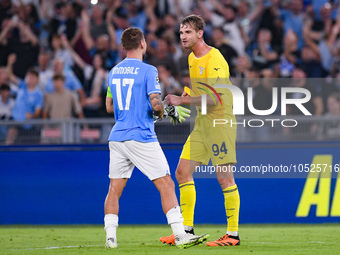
[(134, 98)]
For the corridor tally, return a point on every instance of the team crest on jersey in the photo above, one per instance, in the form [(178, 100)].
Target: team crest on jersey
[(157, 79), (201, 70)]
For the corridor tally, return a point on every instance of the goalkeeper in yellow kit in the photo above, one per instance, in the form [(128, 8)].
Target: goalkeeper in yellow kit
[(207, 141)]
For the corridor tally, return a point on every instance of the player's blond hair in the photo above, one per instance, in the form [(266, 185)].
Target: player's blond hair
[(195, 21)]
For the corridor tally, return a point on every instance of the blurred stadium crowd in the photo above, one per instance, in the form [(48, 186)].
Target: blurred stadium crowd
[(55, 55)]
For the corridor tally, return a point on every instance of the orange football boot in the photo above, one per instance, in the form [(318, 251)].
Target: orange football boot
[(168, 239), (226, 240)]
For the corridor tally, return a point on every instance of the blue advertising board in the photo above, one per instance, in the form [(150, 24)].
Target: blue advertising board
[(68, 185)]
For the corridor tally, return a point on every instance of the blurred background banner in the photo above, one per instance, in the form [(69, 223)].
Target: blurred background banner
[(68, 184)]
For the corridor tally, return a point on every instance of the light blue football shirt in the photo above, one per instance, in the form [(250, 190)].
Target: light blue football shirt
[(131, 82), (27, 101)]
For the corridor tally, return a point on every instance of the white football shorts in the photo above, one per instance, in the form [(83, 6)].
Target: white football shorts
[(147, 157)]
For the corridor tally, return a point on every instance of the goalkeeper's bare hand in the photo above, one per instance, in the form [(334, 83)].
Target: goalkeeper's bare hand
[(173, 100)]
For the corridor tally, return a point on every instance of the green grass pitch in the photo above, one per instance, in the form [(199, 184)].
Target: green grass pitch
[(144, 239)]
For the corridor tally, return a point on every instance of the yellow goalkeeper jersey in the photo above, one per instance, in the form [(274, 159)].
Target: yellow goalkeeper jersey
[(205, 73)]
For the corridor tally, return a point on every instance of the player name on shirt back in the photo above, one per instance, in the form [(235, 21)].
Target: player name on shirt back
[(125, 70)]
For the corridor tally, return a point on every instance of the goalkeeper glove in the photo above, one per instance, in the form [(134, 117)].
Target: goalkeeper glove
[(176, 114)]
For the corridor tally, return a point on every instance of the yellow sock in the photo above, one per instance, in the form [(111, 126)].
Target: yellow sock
[(232, 207), (188, 201)]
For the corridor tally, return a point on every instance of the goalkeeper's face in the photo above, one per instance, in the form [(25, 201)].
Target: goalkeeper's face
[(189, 36)]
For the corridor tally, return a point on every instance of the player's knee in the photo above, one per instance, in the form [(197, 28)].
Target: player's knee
[(226, 182), (165, 184), (116, 190), (181, 176), (169, 183)]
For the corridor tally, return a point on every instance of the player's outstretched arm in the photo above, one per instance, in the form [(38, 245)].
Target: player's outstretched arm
[(157, 105), (186, 100)]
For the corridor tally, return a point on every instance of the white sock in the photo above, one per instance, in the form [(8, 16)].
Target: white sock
[(175, 220), (233, 233), (111, 225), (188, 228)]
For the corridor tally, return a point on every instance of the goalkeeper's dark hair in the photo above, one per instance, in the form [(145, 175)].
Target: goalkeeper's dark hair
[(195, 21), (131, 38)]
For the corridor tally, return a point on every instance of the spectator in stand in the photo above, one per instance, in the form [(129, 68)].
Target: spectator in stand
[(6, 107), (21, 42), (228, 52), (261, 99), (249, 19), (322, 27), (163, 56), (45, 70), (64, 19), (329, 48), (261, 53), (6, 102), (162, 7), (262, 92), (169, 84), (62, 103), (324, 51), (182, 62), (29, 100), (94, 83), (121, 22), (317, 5), (271, 20), (314, 105), (137, 15), (331, 129), (169, 25), (243, 64), (185, 79), (59, 52), (71, 81), (233, 33), (5, 35), (104, 45), (293, 18), (98, 26), (29, 15), (3, 75), (5, 10), (291, 55)]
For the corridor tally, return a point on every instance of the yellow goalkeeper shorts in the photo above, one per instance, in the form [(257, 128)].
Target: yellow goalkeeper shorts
[(208, 142)]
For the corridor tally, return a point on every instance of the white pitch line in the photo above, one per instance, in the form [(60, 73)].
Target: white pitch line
[(56, 247), (70, 246)]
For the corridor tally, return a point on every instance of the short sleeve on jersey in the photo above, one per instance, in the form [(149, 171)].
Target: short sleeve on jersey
[(152, 81), (218, 70)]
